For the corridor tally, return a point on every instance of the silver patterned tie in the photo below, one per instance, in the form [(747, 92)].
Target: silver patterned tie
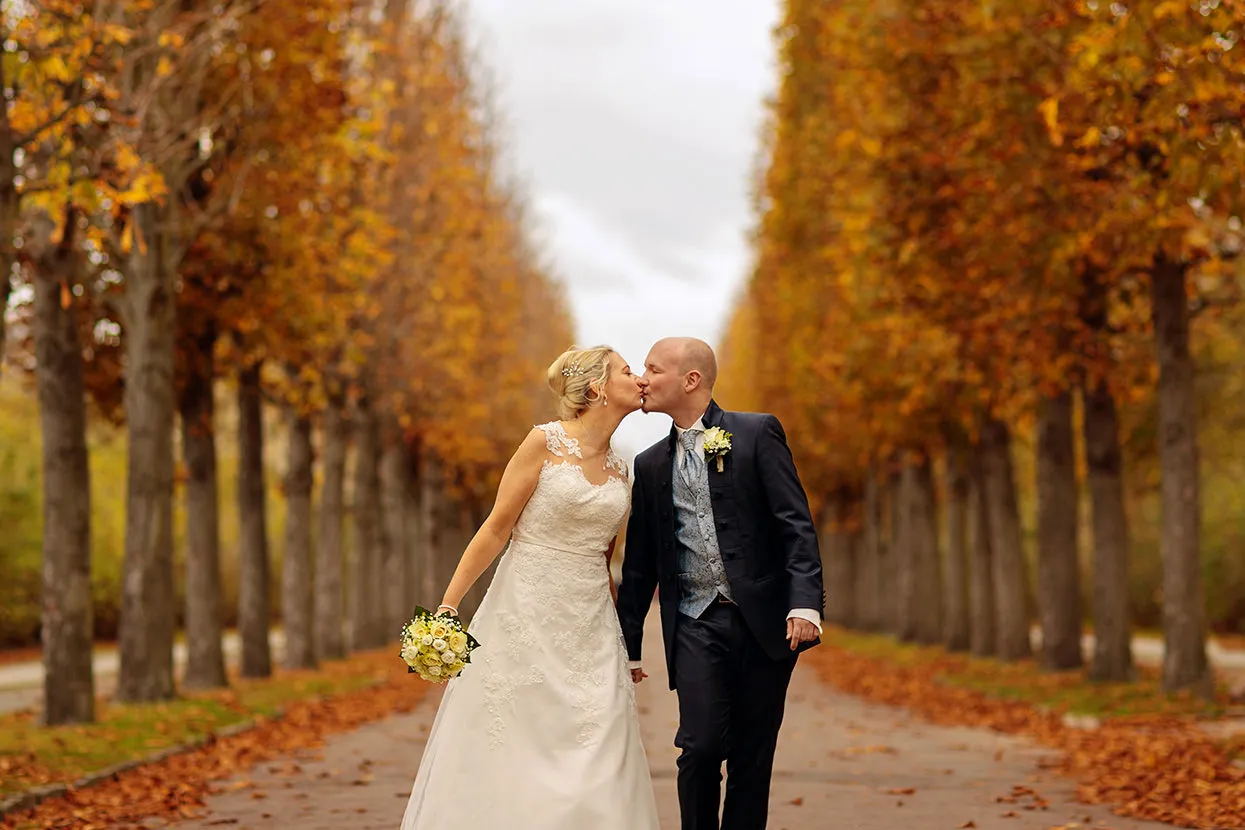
[(691, 463)]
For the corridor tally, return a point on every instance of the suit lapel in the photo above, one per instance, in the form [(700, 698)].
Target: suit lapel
[(716, 417), (666, 466), (721, 493), (665, 493)]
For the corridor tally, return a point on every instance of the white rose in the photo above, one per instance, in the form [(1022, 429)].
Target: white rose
[(439, 645), (448, 657), (426, 639), (410, 654), (435, 671)]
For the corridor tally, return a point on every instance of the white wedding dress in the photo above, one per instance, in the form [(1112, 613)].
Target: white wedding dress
[(540, 731)]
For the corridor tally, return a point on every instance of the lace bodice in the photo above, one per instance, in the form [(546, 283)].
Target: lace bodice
[(568, 512)]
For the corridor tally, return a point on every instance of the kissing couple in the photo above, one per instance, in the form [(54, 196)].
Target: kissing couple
[(541, 731)]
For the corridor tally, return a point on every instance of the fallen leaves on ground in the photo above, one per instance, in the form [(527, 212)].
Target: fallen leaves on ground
[(1156, 766), (177, 786)]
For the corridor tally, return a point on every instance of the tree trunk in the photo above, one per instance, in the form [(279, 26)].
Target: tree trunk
[(924, 536), (329, 608), (918, 578), (68, 682), (1059, 582), (1010, 572), (870, 588), (364, 599), (297, 598), (10, 215), (839, 555), (6, 289), (904, 561), (957, 625), (253, 579), (1184, 606), (892, 560), (145, 640), (415, 532), (1113, 644), (983, 634), (205, 661), (431, 531), (393, 489), (378, 633)]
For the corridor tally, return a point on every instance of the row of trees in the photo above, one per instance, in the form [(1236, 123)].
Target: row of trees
[(976, 221), (307, 201)]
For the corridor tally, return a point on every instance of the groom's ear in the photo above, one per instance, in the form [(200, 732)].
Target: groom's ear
[(692, 381)]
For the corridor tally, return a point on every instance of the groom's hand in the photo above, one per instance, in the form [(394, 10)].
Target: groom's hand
[(800, 631), (637, 675)]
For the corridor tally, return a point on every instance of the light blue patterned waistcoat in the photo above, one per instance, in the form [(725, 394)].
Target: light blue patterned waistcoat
[(702, 576)]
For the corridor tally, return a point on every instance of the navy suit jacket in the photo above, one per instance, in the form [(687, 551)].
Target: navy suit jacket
[(765, 533)]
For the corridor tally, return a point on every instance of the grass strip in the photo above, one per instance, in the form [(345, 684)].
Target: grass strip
[(340, 696)]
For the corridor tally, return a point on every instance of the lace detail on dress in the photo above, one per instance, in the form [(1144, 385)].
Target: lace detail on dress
[(615, 463), (503, 675), (558, 442), (584, 674)]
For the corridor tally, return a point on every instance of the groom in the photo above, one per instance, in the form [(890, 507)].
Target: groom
[(726, 536)]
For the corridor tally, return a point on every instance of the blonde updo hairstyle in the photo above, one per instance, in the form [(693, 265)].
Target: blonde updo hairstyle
[(577, 378)]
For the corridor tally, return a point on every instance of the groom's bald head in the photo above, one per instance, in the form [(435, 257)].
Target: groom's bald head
[(690, 354)]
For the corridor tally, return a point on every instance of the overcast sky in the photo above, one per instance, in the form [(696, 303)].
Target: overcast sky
[(635, 125)]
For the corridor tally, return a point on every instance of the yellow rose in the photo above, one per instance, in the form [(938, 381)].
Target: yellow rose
[(432, 659), (419, 631), (439, 630), (458, 642)]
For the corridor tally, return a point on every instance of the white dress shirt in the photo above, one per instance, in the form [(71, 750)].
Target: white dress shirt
[(810, 614)]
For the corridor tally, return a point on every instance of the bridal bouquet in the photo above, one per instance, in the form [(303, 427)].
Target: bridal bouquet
[(436, 646)]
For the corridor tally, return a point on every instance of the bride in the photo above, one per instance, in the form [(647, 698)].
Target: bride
[(540, 732)]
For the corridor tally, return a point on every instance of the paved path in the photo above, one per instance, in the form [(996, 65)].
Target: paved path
[(842, 765)]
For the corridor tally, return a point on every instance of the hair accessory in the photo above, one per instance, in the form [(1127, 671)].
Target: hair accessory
[(574, 370)]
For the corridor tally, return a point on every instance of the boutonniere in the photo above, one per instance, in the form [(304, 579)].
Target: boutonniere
[(717, 445)]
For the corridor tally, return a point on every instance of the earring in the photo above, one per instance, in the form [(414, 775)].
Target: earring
[(605, 401)]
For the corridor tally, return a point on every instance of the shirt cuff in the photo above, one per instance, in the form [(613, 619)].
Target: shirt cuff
[(634, 664), (810, 614)]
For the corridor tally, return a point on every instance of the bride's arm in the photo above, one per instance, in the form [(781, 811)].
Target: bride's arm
[(609, 557), (518, 483)]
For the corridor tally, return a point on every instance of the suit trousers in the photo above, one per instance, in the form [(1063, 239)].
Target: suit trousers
[(731, 701)]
